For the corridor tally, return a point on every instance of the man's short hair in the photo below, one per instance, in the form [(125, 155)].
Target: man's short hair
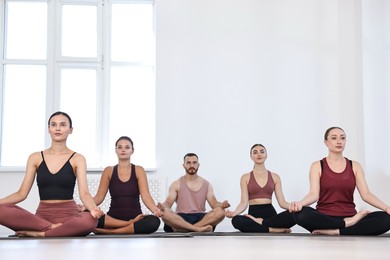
[(189, 155)]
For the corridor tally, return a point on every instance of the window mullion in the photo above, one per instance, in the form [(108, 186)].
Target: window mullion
[(103, 87), (2, 26), (52, 73)]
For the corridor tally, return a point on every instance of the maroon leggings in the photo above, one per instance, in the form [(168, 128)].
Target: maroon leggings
[(74, 222)]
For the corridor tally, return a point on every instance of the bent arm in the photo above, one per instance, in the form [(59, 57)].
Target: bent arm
[(242, 206), (103, 186), (28, 180), (314, 192), (172, 194), (80, 167), (143, 186), (279, 192), (212, 200), (365, 192)]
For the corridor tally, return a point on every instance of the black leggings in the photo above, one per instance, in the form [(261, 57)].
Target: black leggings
[(147, 225), (375, 223), (270, 219)]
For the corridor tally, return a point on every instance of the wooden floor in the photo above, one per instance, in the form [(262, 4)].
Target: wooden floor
[(198, 247)]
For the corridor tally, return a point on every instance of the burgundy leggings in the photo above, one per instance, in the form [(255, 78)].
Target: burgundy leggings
[(74, 222)]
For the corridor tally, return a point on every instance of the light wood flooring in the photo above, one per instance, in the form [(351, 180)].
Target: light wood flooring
[(198, 247)]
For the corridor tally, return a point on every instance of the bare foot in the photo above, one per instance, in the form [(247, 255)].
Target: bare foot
[(330, 232), (101, 231), (279, 230), (257, 220), (30, 234), (355, 219), (55, 225), (207, 228), (137, 218)]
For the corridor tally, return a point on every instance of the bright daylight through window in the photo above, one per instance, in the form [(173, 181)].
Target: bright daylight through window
[(95, 60)]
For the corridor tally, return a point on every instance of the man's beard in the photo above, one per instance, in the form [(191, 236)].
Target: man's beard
[(192, 171)]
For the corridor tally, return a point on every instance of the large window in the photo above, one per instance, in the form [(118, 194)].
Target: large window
[(94, 59)]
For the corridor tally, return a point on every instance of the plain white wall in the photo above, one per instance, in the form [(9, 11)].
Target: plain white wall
[(376, 82), (234, 73), (279, 72)]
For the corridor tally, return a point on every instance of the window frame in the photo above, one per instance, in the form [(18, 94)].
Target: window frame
[(55, 62)]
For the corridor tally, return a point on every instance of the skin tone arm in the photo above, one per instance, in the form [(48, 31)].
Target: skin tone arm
[(103, 185), (314, 192), (172, 195), (212, 200), (365, 192), (79, 163), (145, 193), (25, 187), (241, 207), (279, 192)]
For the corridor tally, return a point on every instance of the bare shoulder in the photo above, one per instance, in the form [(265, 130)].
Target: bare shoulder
[(175, 184), (35, 158), (78, 156), (35, 155), (108, 170), (356, 163), (245, 177), (356, 167), (315, 169), (316, 165), (275, 176), (78, 160), (139, 170)]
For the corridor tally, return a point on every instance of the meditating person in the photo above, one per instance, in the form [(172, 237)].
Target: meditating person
[(126, 183), (333, 181), (190, 193), (56, 169), (257, 188)]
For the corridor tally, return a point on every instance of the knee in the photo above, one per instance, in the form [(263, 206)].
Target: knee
[(238, 222), (155, 223), (6, 209), (301, 216), (148, 225), (90, 223)]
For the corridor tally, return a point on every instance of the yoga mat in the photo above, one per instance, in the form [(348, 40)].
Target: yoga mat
[(105, 236), (185, 235)]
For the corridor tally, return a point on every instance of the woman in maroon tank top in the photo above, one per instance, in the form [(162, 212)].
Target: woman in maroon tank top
[(332, 183), (127, 183)]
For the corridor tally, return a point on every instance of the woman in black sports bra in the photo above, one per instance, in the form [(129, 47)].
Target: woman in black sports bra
[(56, 170)]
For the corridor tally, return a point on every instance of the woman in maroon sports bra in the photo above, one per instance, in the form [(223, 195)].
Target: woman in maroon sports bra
[(257, 188), (56, 170), (333, 181)]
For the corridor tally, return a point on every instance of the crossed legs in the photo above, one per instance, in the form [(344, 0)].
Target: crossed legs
[(179, 224)]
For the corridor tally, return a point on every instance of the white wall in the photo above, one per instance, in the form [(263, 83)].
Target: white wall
[(234, 73), (376, 82)]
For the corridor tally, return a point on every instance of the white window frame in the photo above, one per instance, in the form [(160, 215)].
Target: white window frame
[(55, 62)]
